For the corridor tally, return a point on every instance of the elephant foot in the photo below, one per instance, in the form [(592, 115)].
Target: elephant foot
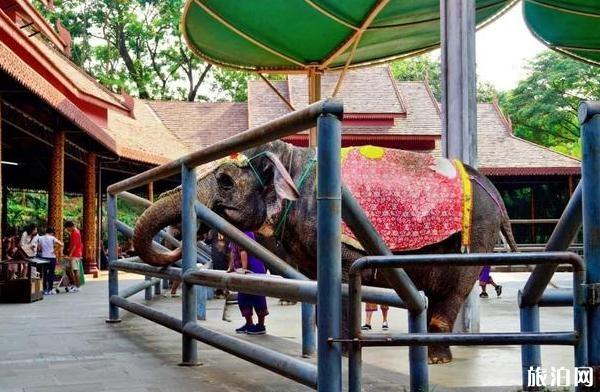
[(439, 355)]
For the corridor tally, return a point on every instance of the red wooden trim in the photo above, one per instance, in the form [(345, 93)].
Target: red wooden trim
[(20, 44), (373, 116), (413, 143), (381, 122), (28, 12), (525, 171)]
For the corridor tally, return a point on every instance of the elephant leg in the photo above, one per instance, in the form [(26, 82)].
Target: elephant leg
[(443, 310), (442, 316)]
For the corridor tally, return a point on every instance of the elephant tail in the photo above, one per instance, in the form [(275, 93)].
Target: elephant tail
[(506, 230)]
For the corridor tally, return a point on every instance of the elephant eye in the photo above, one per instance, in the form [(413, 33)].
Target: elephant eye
[(225, 181)]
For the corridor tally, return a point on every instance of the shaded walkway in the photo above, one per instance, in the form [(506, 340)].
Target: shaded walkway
[(62, 344)]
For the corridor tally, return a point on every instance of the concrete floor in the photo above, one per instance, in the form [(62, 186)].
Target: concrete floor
[(63, 344)]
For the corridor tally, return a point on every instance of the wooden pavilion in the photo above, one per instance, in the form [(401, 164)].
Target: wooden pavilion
[(535, 181), (61, 131)]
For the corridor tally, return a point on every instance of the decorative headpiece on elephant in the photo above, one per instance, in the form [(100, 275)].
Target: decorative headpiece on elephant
[(248, 190)]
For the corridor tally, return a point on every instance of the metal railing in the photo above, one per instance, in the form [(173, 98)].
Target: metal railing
[(326, 115), (358, 340), (334, 202)]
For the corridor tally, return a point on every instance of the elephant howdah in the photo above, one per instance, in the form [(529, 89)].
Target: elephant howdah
[(271, 190)]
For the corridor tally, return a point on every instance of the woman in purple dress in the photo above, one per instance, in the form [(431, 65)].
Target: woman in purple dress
[(243, 262)]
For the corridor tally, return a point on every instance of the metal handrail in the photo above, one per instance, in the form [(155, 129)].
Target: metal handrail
[(286, 125), (578, 338)]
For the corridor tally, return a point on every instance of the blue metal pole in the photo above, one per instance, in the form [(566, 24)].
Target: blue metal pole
[(157, 288), (580, 321), (329, 252), (113, 274), (531, 356), (188, 261), (590, 167), (309, 337), (201, 296), (148, 290), (417, 355)]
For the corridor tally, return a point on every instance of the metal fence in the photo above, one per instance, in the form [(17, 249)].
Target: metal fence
[(335, 202)]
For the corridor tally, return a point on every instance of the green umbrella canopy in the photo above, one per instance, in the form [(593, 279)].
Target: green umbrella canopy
[(295, 35), (568, 26)]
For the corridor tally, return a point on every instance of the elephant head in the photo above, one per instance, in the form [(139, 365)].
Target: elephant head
[(241, 188)]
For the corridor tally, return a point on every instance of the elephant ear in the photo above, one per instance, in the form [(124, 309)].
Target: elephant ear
[(282, 181)]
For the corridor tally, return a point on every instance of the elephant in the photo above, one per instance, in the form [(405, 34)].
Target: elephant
[(252, 197)]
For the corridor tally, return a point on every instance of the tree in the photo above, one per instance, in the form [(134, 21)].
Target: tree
[(428, 66), (543, 106), (231, 85), (134, 45)]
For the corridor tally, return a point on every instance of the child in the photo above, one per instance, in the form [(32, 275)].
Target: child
[(242, 262), (484, 279), (47, 243)]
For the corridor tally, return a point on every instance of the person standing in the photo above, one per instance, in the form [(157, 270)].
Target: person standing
[(369, 309), (74, 254), (47, 243), (28, 245), (242, 262), (485, 278), (29, 242)]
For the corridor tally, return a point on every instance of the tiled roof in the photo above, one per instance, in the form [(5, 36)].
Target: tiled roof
[(499, 152), (140, 136), (420, 117), (144, 138), (422, 114), (18, 69), (264, 104), (199, 124), (84, 82), (377, 82)]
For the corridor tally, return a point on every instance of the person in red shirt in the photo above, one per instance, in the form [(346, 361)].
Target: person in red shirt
[(74, 254)]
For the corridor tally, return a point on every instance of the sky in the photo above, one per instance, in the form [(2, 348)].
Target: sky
[(502, 49)]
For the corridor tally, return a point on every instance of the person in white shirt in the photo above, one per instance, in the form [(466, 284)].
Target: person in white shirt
[(29, 241), (27, 247), (47, 244)]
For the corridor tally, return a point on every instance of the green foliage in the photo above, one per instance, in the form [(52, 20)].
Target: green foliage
[(420, 68), (26, 207), (543, 107), (231, 85), (135, 45), (428, 66)]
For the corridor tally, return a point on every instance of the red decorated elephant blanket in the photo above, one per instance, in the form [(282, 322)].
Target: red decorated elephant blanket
[(412, 199)]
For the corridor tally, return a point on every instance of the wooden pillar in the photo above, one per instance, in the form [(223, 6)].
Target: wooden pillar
[(151, 191), (571, 185), (3, 204), (314, 95), (56, 191), (459, 100), (533, 215), (459, 108), (89, 217)]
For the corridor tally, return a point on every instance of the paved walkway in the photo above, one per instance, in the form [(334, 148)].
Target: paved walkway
[(63, 344)]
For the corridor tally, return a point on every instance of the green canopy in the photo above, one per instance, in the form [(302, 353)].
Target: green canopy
[(568, 26), (295, 35)]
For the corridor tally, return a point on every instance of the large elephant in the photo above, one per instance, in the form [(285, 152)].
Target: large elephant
[(251, 197)]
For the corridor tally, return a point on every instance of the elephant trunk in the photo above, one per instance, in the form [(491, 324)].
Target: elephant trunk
[(164, 212)]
